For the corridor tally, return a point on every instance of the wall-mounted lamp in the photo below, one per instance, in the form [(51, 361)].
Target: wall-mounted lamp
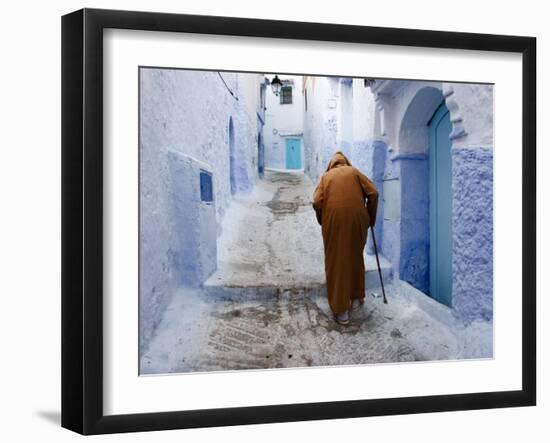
[(276, 85)]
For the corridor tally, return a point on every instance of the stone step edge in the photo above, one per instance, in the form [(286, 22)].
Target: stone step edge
[(372, 282)]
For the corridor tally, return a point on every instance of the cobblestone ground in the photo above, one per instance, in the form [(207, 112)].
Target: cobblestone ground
[(265, 307), (271, 238), (296, 330)]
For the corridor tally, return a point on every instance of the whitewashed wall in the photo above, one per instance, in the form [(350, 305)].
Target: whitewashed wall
[(185, 114), (320, 123), (286, 119), (345, 117)]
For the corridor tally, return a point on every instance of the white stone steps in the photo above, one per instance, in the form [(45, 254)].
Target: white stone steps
[(243, 286)]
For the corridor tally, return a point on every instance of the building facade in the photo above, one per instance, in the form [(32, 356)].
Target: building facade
[(200, 142), (283, 131), (207, 136), (428, 146)]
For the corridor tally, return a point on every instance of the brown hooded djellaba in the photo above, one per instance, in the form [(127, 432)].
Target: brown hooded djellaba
[(339, 203)]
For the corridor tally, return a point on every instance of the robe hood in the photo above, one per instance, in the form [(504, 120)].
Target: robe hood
[(338, 159)]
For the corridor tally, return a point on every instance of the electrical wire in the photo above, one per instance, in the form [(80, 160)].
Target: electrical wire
[(230, 91)]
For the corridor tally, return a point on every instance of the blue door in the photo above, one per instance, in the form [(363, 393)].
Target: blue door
[(293, 153), (441, 238)]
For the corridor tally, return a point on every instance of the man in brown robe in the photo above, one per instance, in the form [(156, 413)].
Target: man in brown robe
[(339, 203)]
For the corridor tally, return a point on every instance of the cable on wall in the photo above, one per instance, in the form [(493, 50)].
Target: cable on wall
[(230, 91)]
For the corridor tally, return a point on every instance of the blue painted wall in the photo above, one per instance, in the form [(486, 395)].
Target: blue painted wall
[(391, 232), (473, 232), (415, 231), (379, 155), (347, 148), (370, 158), (361, 156), (403, 238), (194, 221)]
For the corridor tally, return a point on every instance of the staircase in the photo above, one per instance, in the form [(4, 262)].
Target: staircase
[(271, 244)]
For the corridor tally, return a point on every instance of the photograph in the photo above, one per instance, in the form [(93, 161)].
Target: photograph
[(294, 220), (243, 222)]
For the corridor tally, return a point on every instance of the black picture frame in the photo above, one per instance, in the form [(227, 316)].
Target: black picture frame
[(82, 216)]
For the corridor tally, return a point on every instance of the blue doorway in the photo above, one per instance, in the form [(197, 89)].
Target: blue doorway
[(293, 153), (260, 155), (441, 238)]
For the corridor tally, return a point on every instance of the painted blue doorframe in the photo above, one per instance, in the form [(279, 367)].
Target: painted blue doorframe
[(441, 238), (293, 153)]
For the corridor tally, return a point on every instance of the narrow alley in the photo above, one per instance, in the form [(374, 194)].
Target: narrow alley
[(266, 307), (231, 256)]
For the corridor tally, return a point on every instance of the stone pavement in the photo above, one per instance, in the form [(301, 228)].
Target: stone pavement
[(265, 307), (295, 329)]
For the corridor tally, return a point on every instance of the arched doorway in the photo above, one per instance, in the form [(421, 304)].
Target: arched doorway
[(260, 155), (232, 159), (441, 241), (412, 167)]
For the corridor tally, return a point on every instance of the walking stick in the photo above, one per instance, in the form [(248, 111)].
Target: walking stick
[(378, 263)]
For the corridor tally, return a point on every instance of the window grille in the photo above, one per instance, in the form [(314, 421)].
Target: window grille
[(286, 95)]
